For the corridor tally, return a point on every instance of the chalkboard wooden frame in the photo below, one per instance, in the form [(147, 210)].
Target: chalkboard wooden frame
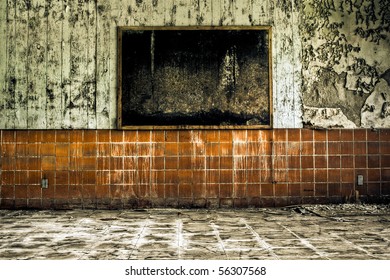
[(133, 123)]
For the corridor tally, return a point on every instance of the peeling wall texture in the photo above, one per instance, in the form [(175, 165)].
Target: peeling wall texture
[(58, 58), (345, 63)]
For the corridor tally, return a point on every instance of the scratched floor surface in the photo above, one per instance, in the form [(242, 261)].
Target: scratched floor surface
[(304, 232)]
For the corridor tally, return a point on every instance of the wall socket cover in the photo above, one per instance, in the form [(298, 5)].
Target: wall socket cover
[(360, 180), (45, 183)]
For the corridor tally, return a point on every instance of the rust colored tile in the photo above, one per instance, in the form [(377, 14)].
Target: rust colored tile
[(307, 148), (75, 136), (185, 149), (116, 163), (34, 150), (171, 177), (240, 136), (374, 189), (385, 161), (266, 162), (320, 135), (158, 163), (212, 149), (34, 136), (267, 190), (144, 163), (360, 135), (294, 135), (9, 150), (103, 163), (7, 177), (212, 191), (346, 161), (384, 135), (171, 163), (385, 175), (265, 135), (158, 136), (171, 191), (171, 149), (372, 135), (185, 136), (253, 135), (62, 192), (294, 162), (116, 192), (199, 176), (346, 135), (346, 148), (75, 178), (280, 162), (321, 162), (184, 176), (280, 175), (22, 150), (360, 148), (7, 192), (252, 162), (212, 136), (334, 148), (374, 175), (226, 176), (158, 149), (280, 149), (48, 149), (321, 189), (171, 136), (280, 135), (334, 175), (294, 148), (88, 163), (21, 163), (158, 177), (116, 136), (22, 136), (334, 135), (103, 135), (49, 192), (7, 163), (307, 176), (360, 161), (306, 135), (90, 136), (334, 161), (253, 148), (373, 161), (253, 190), (48, 163), (89, 177), (116, 177), (347, 175), (49, 136), (129, 149), (117, 149), (34, 192), (294, 189), (307, 162), (21, 191), (320, 148), (89, 149), (321, 175), (62, 136), (8, 136), (266, 176), (385, 148), (265, 148), (185, 190), (34, 177), (62, 177), (75, 149), (21, 177), (239, 190), (62, 150), (294, 176), (281, 190), (158, 190), (226, 149), (199, 190), (213, 177), (88, 192), (130, 177), (129, 136), (102, 178), (240, 149), (185, 163), (347, 190), (224, 136), (103, 150), (35, 163), (144, 136)]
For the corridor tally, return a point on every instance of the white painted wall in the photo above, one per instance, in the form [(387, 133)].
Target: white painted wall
[(58, 62)]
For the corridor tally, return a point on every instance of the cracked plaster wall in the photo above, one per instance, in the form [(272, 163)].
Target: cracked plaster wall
[(58, 63), (345, 63)]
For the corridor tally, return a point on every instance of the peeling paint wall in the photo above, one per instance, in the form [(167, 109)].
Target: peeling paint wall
[(58, 58), (345, 63)]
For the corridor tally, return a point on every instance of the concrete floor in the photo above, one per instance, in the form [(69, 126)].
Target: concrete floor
[(302, 232)]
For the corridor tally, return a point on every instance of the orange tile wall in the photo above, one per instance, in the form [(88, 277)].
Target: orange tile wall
[(109, 169)]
